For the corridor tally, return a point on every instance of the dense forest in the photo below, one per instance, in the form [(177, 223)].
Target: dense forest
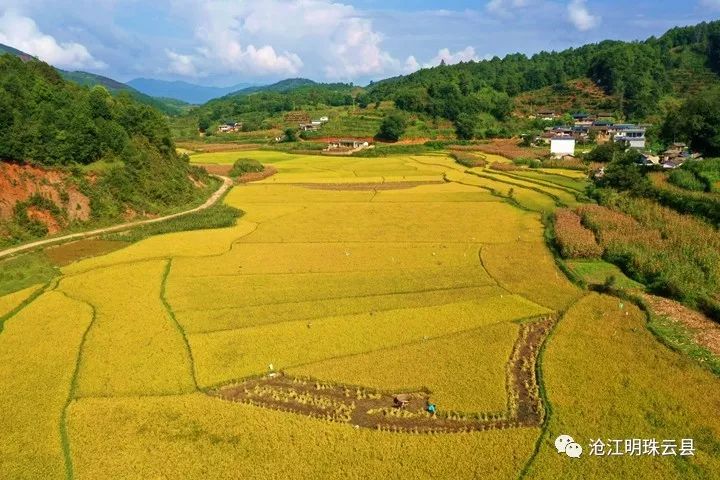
[(46, 121), (637, 75)]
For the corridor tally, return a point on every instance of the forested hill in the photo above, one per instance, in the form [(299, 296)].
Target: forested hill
[(638, 75), (46, 121), (254, 105)]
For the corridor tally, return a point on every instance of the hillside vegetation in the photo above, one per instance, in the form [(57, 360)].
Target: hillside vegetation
[(108, 154), (633, 81)]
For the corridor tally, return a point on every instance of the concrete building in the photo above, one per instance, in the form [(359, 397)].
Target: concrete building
[(562, 145)]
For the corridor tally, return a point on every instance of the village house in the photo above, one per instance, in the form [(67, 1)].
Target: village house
[(349, 144), (546, 115), (562, 145), (632, 135), (229, 127), (309, 127)]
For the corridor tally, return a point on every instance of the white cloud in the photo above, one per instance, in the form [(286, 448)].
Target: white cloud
[(712, 4), (273, 36), (467, 54), (581, 17), (181, 64), (23, 33), (505, 7)]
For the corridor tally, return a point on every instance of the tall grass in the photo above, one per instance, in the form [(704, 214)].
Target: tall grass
[(675, 255)]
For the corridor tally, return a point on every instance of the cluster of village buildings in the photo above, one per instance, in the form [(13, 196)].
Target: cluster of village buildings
[(601, 129), (313, 125), (230, 127)]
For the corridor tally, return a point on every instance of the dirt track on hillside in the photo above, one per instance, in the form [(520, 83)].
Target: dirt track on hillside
[(227, 183)]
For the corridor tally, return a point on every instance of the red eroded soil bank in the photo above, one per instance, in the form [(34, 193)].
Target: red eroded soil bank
[(19, 183)]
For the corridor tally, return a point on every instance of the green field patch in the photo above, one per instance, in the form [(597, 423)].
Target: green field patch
[(598, 272)]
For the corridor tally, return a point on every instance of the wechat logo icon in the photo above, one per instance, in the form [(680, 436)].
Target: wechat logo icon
[(565, 444)]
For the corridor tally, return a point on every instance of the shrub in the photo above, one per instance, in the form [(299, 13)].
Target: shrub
[(675, 255), (468, 159), (574, 239), (504, 167), (687, 180), (246, 165)]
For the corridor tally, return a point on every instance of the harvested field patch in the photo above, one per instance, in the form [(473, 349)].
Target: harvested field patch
[(705, 331), (68, 253), (205, 148), (510, 148), (376, 409), (267, 172)]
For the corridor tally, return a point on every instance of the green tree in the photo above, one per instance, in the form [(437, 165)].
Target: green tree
[(392, 127), (291, 135), (696, 122), (465, 126), (204, 124), (624, 173)]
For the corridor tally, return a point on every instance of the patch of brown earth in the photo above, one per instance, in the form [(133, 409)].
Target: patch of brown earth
[(706, 332), (217, 147), (368, 408), (196, 183), (20, 182), (215, 169), (268, 171), (509, 148), (44, 217), (68, 253), (366, 186)]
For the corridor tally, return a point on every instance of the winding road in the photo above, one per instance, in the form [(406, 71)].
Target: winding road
[(227, 183)]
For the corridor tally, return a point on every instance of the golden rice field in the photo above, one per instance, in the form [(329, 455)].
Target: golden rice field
[(397, 274)]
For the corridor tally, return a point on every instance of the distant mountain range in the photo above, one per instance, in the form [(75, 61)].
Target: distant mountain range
[(281, 86), (187, 92), (165, 105)]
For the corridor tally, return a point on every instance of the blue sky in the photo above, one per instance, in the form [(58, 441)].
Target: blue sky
[(223, 42)]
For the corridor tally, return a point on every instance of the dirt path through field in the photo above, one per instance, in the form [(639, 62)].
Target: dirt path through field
[(227, 183), (368, 408)]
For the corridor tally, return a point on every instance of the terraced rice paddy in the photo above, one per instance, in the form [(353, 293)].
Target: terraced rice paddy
[(273, 349)]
